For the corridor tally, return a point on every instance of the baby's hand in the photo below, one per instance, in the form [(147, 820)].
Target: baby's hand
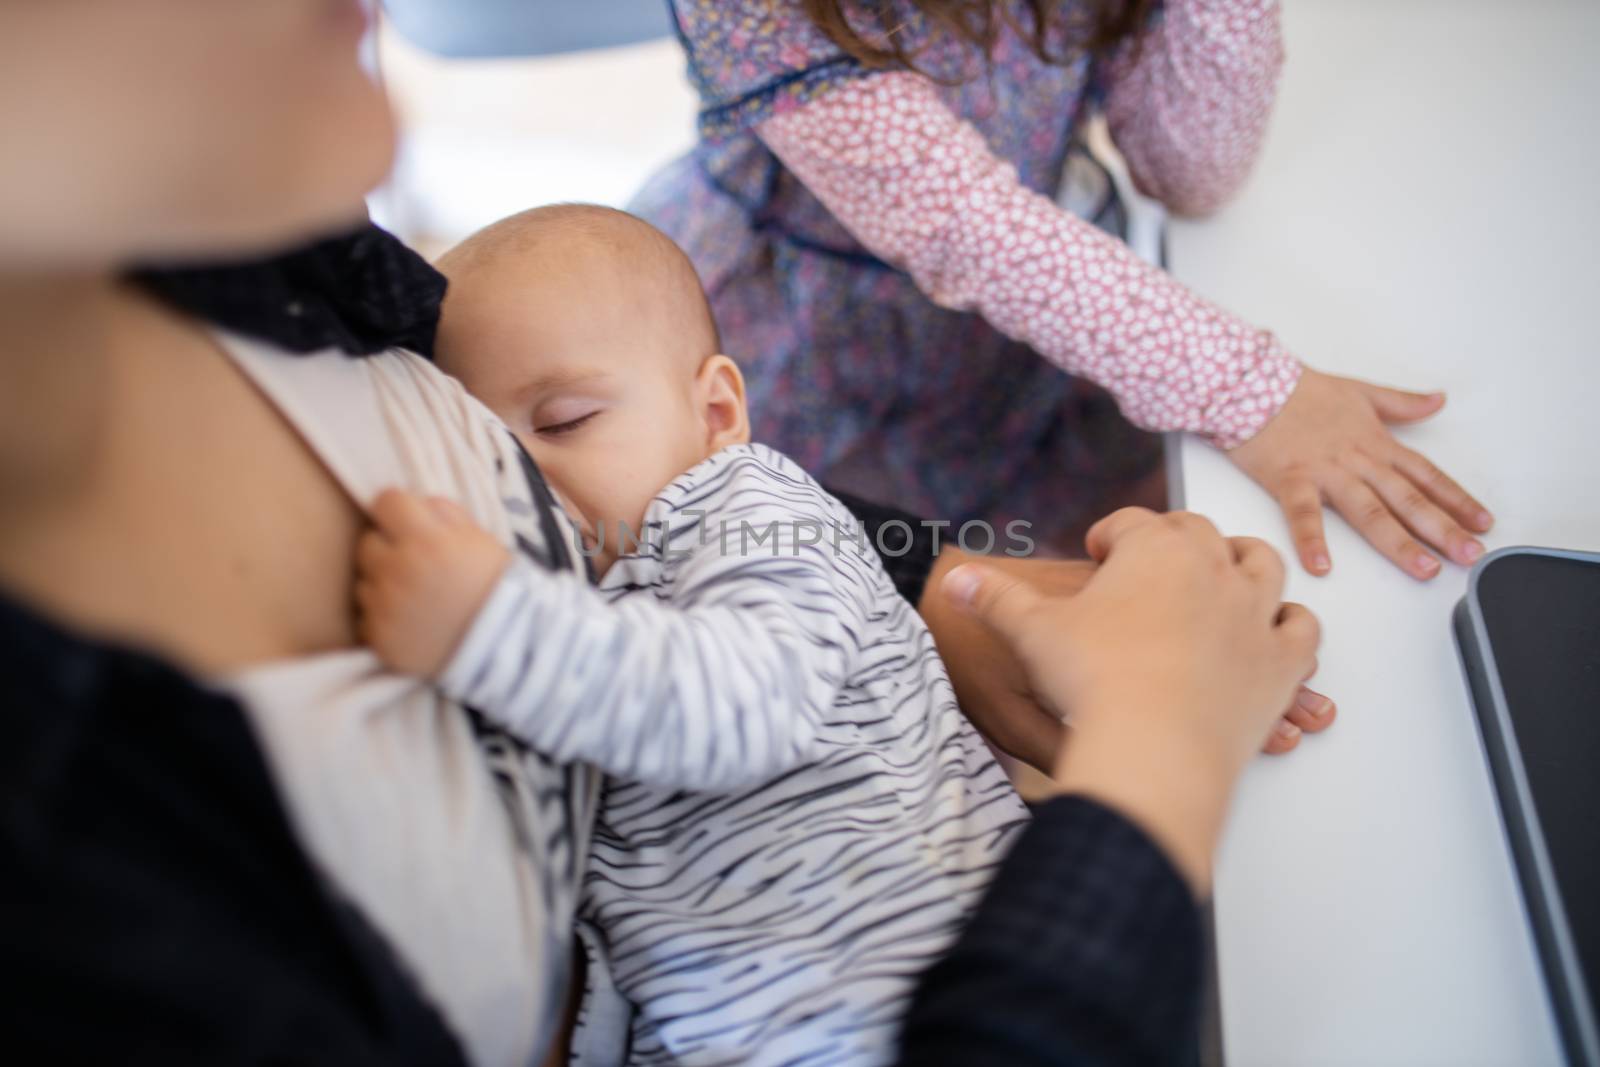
[(422, 572)]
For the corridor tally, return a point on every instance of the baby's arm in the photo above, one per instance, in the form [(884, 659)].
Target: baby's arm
[(721, 693)]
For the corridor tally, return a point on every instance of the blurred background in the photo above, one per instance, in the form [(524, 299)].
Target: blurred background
[(487, 137)]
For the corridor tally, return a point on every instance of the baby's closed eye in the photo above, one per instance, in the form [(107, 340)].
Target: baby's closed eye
[(564, 414), (557, 429)]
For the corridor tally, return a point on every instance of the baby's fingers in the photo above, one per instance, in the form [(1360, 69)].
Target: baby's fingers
[(374, 554), (366, 596), (370, 604), (399, 513), (449, 512), (1302, 506)]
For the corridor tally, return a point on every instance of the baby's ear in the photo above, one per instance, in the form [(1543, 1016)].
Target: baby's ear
[(719, 392)]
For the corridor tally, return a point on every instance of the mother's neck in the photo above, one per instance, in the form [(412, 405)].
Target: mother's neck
[(54, 390)]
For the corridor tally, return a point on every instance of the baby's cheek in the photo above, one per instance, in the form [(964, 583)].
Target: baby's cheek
[(629, 497), (581, 486), (556, 469), (608, 476)]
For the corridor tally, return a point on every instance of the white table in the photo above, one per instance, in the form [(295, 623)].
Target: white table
[(1425, 214)]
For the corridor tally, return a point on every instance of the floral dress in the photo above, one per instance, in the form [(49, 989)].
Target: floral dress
[(885, 260)]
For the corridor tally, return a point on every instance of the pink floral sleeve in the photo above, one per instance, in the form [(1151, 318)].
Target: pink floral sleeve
[(1188, 103), (920, 188)]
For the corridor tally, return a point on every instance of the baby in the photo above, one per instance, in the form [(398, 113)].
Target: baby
[(798, 818)]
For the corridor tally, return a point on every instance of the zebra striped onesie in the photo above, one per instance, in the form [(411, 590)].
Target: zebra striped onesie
[(798, 818)]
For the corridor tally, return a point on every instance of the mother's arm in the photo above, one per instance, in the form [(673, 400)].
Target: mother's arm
[(1174, 656)]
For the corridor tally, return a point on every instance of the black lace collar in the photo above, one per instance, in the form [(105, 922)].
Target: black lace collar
[(362, 292)]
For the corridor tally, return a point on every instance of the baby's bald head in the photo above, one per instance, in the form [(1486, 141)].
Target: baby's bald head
[(633, 274)]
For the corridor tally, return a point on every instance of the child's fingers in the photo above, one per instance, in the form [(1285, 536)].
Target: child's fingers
[(1422, 516), (397, 513), (1024, 730), (1373, 520), (1312, 711), (1399, 405), (1444, 489), (1302, 506), (1285, 736), (1300, 720)]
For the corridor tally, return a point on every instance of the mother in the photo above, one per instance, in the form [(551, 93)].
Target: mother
[(229, 836), (869, 206)]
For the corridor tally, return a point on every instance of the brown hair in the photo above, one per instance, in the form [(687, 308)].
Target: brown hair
[(1092, 26)]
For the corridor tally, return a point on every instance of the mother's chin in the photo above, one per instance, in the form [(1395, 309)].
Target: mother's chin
[(152, 129)]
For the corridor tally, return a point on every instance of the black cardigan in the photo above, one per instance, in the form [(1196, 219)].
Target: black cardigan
[(157, 907)]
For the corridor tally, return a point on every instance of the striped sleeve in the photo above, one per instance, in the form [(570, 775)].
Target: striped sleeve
[(722, 689)]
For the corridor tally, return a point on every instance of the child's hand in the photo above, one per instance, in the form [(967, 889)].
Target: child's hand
[(1331, 442), (422, 572)]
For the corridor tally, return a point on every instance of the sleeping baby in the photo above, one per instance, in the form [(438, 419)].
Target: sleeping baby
[(798, 819)]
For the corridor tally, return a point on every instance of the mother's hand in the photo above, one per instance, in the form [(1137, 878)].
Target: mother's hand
[(1331, 443), (995, 691), (1176, 657)]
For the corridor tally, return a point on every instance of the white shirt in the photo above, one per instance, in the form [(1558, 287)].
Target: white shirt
[(461, 845)]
